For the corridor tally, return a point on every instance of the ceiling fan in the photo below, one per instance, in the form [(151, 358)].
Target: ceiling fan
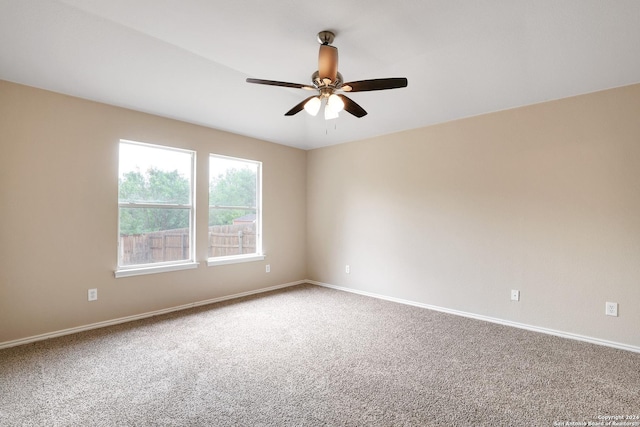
[(329, 84)]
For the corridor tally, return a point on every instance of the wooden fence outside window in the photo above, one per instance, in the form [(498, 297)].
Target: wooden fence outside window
[(173, 245)]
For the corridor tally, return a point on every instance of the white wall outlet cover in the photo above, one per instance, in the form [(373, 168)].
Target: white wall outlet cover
[(515, 295), (611, 309), (347, 269), (92, 294), (268, 268)]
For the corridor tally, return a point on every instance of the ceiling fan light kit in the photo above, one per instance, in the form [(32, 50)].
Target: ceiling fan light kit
[(329, 83)]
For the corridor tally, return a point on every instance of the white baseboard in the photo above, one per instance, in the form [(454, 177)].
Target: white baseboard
[(126, 319), (548, 331), (98, 325)]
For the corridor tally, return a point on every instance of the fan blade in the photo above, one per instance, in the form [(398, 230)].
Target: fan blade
[(299, 107), (283, 84), (351, 107), (328, 62), (375, 84)]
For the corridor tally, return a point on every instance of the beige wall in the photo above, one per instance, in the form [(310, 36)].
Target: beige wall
[(544, 199), (58, 236)]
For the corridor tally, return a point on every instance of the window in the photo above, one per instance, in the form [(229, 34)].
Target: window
[(156, 209), (235, 213)]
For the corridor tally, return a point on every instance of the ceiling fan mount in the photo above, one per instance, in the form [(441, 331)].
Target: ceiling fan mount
[(326, 37), (327, 81)]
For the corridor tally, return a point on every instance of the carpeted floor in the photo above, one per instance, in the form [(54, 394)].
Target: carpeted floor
[(311, 356)]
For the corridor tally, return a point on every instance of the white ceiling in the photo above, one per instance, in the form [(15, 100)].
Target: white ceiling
[(188, 59)]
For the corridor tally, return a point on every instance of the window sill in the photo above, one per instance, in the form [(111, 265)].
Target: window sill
[(223, 260), (154, 269)]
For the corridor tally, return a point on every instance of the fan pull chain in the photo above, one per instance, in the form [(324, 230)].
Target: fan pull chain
[(326, 129)]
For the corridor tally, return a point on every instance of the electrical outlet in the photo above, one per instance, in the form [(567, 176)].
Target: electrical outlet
[(92, 294), (515, 295), (268, 268), (611, 309), (347, 269)]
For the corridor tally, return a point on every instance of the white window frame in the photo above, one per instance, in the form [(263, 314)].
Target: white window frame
[(161, 267), (259, 254)]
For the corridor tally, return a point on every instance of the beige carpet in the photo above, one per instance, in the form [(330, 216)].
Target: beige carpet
[(311, 356)]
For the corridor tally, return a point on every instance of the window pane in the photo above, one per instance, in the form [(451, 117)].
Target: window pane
[(150, 174), (150, 235), (234, 211), (235, 237), (232, 182), (156, 212)]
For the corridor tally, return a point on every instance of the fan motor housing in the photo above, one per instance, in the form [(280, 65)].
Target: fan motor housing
[(319, 83)]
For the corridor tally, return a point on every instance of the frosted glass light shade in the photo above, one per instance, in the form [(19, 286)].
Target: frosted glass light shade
[(312, 106), (329, 113), (335, 103)]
